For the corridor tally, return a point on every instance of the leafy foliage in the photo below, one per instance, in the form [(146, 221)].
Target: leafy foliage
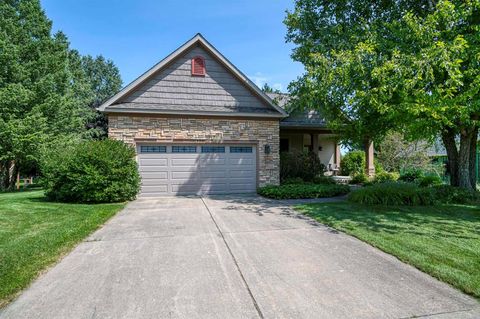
[(304, 165), (47, 90), (429, 180), (91, 172), (322, 179), (353, 163), (411, 175), (391, 193), (372, 67), (396, 154), (383, 177), (299, 191), (455, 195), (359, 178)]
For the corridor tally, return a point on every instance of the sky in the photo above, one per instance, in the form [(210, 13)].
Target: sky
[(138, 34)]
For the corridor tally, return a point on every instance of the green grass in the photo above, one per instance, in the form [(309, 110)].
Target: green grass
[(35, 233), (443, 241)]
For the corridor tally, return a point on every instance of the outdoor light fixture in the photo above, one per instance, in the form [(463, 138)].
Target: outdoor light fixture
[(267, 149)]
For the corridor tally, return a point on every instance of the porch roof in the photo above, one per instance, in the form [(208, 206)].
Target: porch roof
[(298, 119)]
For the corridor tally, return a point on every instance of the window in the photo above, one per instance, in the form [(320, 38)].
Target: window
[(184, 149), (284, 147), (213, 149), (240, 149), (153, 149), (198, 66)]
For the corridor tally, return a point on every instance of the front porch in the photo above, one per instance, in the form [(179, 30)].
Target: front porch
[(322, 142)]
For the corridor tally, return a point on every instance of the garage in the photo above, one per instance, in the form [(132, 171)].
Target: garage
[(189, 169)]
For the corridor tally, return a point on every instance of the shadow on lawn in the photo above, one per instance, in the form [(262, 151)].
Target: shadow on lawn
[(449, 221)]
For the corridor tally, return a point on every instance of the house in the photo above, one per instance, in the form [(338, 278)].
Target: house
[(200, 126)]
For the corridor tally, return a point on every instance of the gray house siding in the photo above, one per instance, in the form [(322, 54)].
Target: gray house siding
[(174, 88)]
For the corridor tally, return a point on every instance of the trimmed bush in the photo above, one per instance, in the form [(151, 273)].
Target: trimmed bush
[(91, 172), (429, 180), (359, 178), (391, 193), (411, 175), (293, 180), (303, 191), (304, 165), (383, 177), (322, 179), (455, 195), (353, 163)]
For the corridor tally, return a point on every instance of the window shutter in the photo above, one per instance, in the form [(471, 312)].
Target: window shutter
[(198, 66)]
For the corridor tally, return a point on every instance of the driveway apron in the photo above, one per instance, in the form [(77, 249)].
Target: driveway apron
[(231, 257)]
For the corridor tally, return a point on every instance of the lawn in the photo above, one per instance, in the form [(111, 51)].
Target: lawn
[(443, 241), (35, 233)]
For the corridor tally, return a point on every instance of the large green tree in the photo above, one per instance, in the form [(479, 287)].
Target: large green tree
[(376, 66), (47, 90)]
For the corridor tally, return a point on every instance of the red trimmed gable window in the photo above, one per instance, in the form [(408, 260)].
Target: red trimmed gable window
[(198, 66)]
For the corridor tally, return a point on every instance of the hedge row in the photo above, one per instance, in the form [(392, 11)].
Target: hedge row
[(303, 191)]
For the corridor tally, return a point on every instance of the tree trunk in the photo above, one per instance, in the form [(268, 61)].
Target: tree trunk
[(473, 158), (448, 138), (464, 159)]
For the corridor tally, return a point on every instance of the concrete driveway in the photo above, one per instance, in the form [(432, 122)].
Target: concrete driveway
[(231, 257)]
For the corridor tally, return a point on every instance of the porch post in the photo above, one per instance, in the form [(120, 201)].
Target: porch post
[(315, 143), (369, 166), (338, 156)]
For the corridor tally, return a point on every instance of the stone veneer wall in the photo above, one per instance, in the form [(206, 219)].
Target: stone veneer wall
[(134, 129)]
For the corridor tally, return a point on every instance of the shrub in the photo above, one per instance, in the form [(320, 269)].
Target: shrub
[(429, 180), (353, 163), (303, 191), (304, 165), (90, 172), (359, 178), (411, 175), (455, 195), (293, 180), (383, 177), (322, 179), (393, 193)]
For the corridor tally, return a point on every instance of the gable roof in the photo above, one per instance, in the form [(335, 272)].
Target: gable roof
[(115, 104), (298, 118)]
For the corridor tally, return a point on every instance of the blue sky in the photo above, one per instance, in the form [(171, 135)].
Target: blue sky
[(137, 34)]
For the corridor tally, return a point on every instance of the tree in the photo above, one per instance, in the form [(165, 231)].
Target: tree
[(47, 90), (104, 81), (395, 153), (376, 66)]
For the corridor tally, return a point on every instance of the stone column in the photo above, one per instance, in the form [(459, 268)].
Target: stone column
[(338, 155), (369, 166)]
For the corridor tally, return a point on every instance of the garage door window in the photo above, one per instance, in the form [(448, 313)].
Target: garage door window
[(240, 149), (213, 149), (184, 149), (153, 149)]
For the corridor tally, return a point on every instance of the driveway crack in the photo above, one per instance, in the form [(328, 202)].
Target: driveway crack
[(255, 304)]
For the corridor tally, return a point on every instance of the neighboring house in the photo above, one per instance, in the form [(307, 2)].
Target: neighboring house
[(200, 126)]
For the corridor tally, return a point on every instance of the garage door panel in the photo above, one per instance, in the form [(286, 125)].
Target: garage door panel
[(190, 162), (153, 162), (241, 161), (154, 189), (197, 173), (154, 175), (154, 181), (146, 169)]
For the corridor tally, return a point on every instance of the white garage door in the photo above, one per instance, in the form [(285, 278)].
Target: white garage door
[(197, 169)]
